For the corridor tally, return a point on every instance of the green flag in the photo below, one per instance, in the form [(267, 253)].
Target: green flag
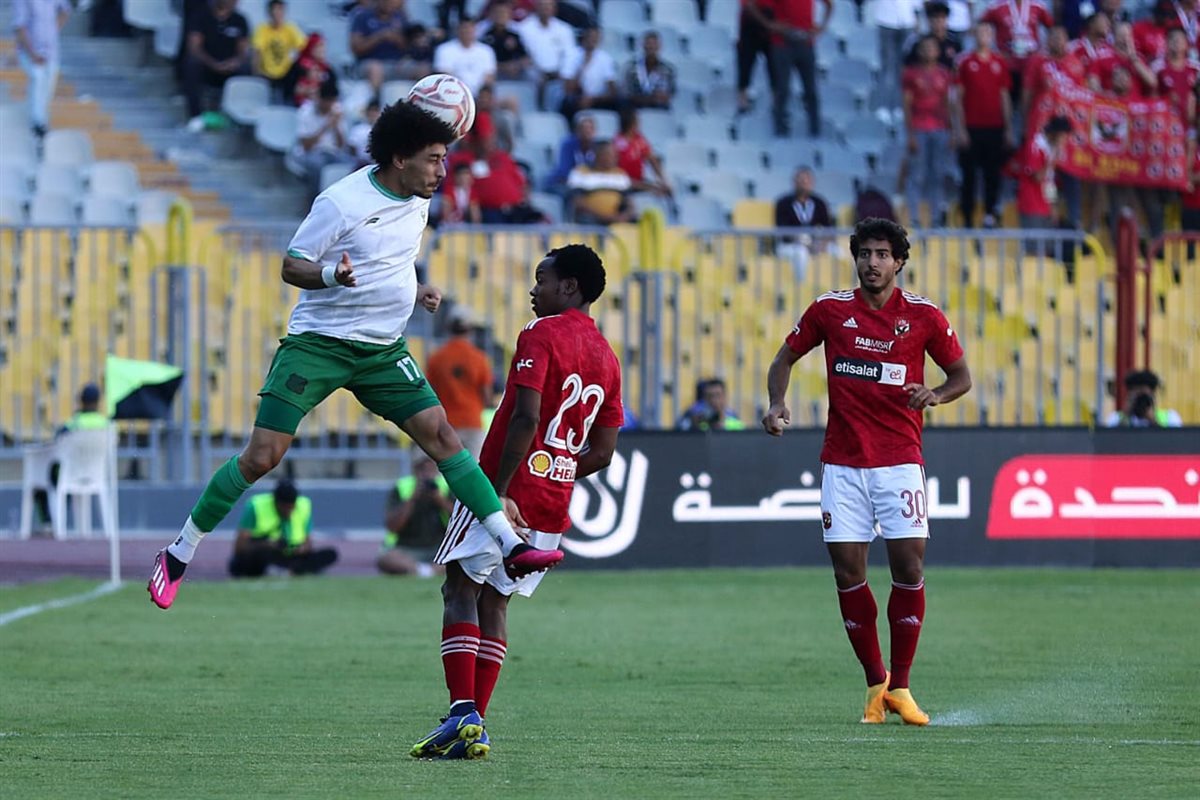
[(139, 389)]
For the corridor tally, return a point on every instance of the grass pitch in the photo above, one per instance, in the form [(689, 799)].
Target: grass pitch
[(716, 683)]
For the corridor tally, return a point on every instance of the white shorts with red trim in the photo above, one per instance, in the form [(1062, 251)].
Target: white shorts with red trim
[(859, 503), (477, 553)]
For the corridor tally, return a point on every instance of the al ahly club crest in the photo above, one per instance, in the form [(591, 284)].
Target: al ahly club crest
[(902, 327)]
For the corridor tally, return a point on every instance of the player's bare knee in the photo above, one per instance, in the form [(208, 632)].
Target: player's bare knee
[(260, 458), (847, 577)]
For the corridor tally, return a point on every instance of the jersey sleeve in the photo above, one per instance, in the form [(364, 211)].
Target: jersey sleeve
[(323, 227), (808, 333), (532, 359), (943, 342)]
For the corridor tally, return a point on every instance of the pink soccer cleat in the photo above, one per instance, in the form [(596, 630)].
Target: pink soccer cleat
[(526, 560), (162, 589)]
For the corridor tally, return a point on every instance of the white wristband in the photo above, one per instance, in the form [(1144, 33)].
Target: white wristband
[(328, 276)]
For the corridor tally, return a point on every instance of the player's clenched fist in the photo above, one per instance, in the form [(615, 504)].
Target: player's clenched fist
[(776, 419), (429, 297), (920, 396), (343, 273)]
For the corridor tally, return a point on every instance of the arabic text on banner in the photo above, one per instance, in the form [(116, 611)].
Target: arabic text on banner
[(1128, 142)]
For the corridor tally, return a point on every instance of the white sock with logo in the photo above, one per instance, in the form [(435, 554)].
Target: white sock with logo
[(502, 533), (184, 548)]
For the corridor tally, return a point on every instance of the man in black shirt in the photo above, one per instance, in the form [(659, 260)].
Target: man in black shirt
[(218, 46), (512, 62), (802, 208), (950, 46)]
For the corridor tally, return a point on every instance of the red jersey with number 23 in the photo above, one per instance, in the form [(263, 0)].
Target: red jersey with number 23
[(566, 358), (869, 357)]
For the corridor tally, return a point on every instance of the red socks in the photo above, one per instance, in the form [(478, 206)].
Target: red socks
[(858, 613), (906, 612), (487, 670), (460, 644)]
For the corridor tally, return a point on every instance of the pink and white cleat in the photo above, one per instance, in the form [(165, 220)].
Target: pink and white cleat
[(526, 560), (162, 589)]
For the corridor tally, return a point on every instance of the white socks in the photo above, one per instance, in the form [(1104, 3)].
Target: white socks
[(184, 548), (497, 525)]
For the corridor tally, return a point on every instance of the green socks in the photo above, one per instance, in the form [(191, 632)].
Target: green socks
[(224, 488), (469, 484)]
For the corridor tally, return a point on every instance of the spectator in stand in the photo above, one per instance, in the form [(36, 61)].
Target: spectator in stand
[(499, 184), (650, 81), (418, 54), (519, 10), (549, 42), (1093, 47), (927, 123), (218, 47), (466, 58), (711, 410), (1044, 70), (512, 60), (950, 45), (1150, 35), (896, 20), (1124, 55), (378, 42), (277, 42), (36, 24), (461, 375), (634, 152), (500, 114), (1018, 25), (794, 33), (590, 76), (982, 124), (311, 70), (802, 208), (754, 39), (360, 135), (577, 148), (1177, 75), (600, 192), (461, 202), (321, 137), (1037, 193)]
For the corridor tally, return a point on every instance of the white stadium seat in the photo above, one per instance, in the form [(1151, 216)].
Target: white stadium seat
[(244, 96), (67, 147), (52, 208), (113, 177), (106, 209), (275, 128)]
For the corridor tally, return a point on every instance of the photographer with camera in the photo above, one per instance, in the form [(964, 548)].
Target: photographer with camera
[(711, 410), (417, 512), (1141, 407), (275, 530)]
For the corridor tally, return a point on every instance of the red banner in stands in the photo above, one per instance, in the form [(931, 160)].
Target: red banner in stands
[(1130, 142), (1102, 497)]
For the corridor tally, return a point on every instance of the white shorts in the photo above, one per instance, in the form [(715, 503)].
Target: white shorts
[(469, 543), (858, 504)]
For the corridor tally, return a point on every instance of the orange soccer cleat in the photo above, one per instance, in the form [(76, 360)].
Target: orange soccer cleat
[(900, 701), (875, 711)]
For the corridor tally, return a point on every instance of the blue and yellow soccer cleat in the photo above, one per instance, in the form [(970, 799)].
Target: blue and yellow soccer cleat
[(466, 728), (476, 749)]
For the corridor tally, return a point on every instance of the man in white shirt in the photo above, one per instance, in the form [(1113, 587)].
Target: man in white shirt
[(354, 260), (547, 39), (591, 76), (321, 137), (466, 58)]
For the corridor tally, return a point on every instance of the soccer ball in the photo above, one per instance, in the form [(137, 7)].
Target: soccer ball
[(448, 99)]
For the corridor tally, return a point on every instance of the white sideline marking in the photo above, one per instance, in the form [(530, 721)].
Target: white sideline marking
[(62, 602)]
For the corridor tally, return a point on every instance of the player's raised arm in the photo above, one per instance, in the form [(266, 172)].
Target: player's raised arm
[(522, 427), (778, 376)]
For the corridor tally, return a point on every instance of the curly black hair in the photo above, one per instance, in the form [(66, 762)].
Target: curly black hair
[(403, 130), (880, 230), (580, 262)]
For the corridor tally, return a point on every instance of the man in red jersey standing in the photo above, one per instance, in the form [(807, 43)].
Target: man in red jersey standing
[(558, 422), (872, 473)]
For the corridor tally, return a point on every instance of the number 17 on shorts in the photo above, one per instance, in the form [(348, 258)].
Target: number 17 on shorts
[(860, 503)]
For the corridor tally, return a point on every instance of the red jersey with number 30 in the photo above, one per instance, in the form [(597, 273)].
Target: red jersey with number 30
[(869, 357), (566, 358)]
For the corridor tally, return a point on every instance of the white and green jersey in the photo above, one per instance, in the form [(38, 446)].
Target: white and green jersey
[(381, 232)]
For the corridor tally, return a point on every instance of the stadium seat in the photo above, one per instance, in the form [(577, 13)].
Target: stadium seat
[(608, 123), (106, 209), (152, 207), (14, 181), (12, 209), (703, 128), (657, 124), (166, 38), (853, 71), (754, 214), (643, 201), (112, 177), (680, 156), (673, 13), (770, 184), (244, 96), (724, 14), (275, 128), (147, 14), (337, 41), (20, 148), (332, 173), (57, 178), (722, 185), (67, 147), (14, 117), (544, 127), (524, 92), (707, 42), (392, 91), (537, 156), (622, 16), (549, 204), (52, 208), (701, 213)]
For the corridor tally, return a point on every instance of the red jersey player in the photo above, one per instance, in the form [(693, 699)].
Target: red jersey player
[(558, 422), (872, 476)]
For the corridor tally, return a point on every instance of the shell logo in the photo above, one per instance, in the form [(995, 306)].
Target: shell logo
[(540, 463)]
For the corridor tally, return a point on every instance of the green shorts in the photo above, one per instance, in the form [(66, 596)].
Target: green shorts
[(308, 367)]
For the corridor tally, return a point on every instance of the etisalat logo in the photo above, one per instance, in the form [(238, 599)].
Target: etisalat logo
[(606, 508)]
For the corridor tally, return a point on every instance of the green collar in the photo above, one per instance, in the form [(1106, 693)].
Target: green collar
[(386, 192)]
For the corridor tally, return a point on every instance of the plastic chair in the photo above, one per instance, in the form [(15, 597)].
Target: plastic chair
[(87, 468), (608, 123), (14, 181), (36, 460), (244, 97), (12, 208), (152, 207), (701, 213), (113, 177), (107, 210), (52, 208), (543, 127), (658, 124), (147, 14), (166, 38), (674, 13), (275, 128), (68, 147)]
